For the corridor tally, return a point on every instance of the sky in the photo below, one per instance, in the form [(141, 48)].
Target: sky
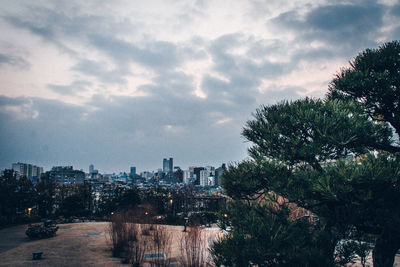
[(128, 83)]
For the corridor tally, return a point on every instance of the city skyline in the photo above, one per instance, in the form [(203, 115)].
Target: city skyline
[(119, 83), (89, 169)]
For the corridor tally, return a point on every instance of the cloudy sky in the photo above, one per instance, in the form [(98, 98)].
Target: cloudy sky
[(127, 83)]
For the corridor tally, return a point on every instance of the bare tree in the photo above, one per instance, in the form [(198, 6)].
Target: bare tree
[(193, 248), (160, 244), (137, 247), (122, 233), (118, 233)]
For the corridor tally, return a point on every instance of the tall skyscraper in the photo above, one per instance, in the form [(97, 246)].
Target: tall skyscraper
[(168, 165), (133, 172), (91, 168)]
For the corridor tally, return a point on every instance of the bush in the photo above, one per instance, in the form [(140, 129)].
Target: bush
[(203, 218), (41, 231), (121, 232), (193, 248), (160, 242), (131, 240)]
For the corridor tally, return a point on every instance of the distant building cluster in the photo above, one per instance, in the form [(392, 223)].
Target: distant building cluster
[(65, 176), (168, 176), (30, 171)]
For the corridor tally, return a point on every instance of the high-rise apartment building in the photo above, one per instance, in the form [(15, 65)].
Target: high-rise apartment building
[(186, 176), (28, 170), (203, 177), (65, 175)]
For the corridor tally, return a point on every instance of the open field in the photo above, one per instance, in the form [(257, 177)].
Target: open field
[(74, 247), (71, 247)]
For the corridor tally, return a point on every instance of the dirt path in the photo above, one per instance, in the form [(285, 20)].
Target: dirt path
[(12, 237)]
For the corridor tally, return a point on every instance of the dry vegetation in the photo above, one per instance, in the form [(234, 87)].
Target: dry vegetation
[(130, 241), (73, 247), (70, 247), (193, 248)]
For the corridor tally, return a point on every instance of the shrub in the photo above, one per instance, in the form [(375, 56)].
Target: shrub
[(160, 242), (121, 231), (41, 231), (137, 247), (193, 248)]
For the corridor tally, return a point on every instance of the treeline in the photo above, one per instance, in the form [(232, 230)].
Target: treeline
[(21, 201)]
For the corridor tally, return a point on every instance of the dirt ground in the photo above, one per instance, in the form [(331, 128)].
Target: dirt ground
[(71, 247), (74, 247)]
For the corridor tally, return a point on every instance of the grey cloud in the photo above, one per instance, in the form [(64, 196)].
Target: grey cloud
[(14, 61), (261, 48), (156, 54), (57, 128), (71, 89), (54, 25), (42, 30), (349, 18), (235, 97), (100, 71), (194, 49), (310, 54), (4, 101), (395, 10), (116, 131), (346, 22), (235, 65), (190, 12), (396, 34), (260, 9), (171, 83), (273, 95), (53, 110), (290, 20), (58, 27), (243, 73), (350, 27)]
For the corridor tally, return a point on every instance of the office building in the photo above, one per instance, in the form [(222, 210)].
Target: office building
[(196, 174), (133, 172), (91, 168), (218, 173), (168, 165)]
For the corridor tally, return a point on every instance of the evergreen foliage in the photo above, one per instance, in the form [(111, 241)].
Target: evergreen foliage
[(333, 157), (373, 80)]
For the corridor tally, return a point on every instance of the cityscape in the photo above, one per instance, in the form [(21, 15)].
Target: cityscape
[(168, 176), (229, 133)]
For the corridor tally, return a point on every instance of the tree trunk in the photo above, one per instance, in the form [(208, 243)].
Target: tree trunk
[(386, 247)]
